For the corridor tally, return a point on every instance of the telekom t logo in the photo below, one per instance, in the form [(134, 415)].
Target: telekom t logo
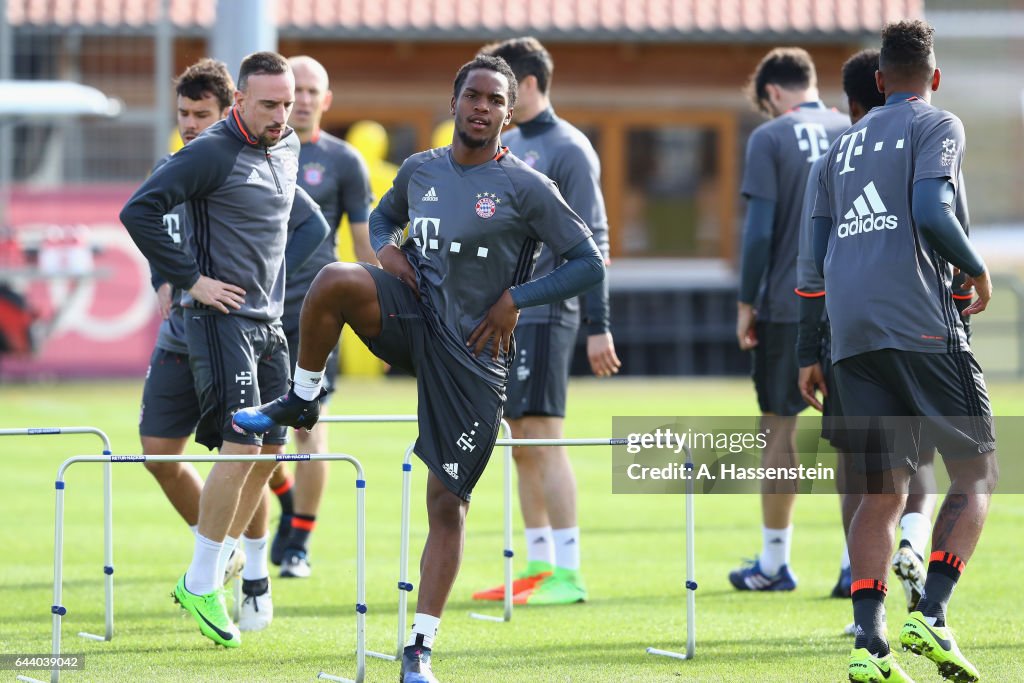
[(850, 145), (811, 138)]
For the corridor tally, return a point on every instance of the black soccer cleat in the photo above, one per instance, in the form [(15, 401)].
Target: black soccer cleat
[(288, 411), (416, 665)]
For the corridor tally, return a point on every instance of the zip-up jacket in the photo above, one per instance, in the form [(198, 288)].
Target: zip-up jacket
[(240, 198)]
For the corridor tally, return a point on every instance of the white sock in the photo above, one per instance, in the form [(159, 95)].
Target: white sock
[(307, 384), (201, 577), (255, 558), (915, 528), (424, 625), (540, 546), (230, 543), (194, 528), (567, 548), (844, 561), (775, 549)]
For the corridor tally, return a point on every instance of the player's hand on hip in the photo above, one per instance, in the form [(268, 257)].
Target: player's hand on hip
[(746, 318), (601, 354), (812, 380), (498, 324), (163, 300), (983, 288), (394, 261), (217, 294)]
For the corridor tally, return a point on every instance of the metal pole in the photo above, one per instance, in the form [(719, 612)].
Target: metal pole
[(6, 138), (163, 40)]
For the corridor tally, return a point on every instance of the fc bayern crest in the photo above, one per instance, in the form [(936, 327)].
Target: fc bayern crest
[(486, 204), (313, 174)]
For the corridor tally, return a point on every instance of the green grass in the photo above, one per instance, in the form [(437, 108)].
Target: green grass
[(632, 555)]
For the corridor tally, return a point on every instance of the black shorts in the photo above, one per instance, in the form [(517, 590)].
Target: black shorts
[(170, 407), (458, 411), (237, 362), (290, 322), (539, 379), (832, 406), (776, 371), (896, 402)]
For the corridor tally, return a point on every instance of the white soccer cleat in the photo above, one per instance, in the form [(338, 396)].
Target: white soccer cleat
[(911, 572), (234, 566), (257, 607)]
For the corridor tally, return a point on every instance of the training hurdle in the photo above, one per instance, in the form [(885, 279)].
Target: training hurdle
[(108, 519), (691, 583), (405, 586), (58, 610)]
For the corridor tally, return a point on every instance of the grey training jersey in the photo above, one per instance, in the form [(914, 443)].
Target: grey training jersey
[(473, 233), (779, 156), (885, 287), (171, 334), (564, 154), (240, 198), (808, 281), (333, 173)]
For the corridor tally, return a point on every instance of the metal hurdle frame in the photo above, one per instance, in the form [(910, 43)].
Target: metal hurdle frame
[(691, 583), (58, 610), (405, 586), (108, 519)]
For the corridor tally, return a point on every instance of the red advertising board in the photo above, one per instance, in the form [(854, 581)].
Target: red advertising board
[(98, 310)]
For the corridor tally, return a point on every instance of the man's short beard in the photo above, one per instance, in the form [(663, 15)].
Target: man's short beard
[(472, 143)]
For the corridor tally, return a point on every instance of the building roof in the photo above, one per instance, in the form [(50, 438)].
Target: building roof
[(650, 20)]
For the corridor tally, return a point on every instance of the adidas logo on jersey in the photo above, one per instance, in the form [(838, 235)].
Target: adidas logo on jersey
[(430, 196), (452, 468), (868, 214), (254, 177)]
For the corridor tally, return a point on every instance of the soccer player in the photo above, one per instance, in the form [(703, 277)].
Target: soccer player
[(170, 407), (546, 338), (239, 180), (779, 155), (444, 307), (335, 176), (884, 223)]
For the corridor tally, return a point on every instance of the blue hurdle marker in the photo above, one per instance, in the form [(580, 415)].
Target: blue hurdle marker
[(691, 583), (108, 518), (58, 610)]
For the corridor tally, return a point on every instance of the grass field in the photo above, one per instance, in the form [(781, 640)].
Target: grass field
[(632, 550)]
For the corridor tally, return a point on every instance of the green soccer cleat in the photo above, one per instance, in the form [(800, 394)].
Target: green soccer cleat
[(937, 644), (210, 613), (563, 587), (866, 668)]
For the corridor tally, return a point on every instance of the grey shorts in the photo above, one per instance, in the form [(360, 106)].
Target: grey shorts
[(896, 402), (170, 407), (237, 362), (539, 379), (290, 322), (776, 371), (458, 411)]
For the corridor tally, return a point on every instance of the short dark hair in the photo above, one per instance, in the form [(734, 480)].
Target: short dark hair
[(496, 64), (527, 57), (787, 67), (907, 51), (259, 63), (206, 77), (859, 79)]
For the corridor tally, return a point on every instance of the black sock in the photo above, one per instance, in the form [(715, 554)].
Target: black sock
[(302, 527), (944, 571), (284, 497), (869, 616)]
